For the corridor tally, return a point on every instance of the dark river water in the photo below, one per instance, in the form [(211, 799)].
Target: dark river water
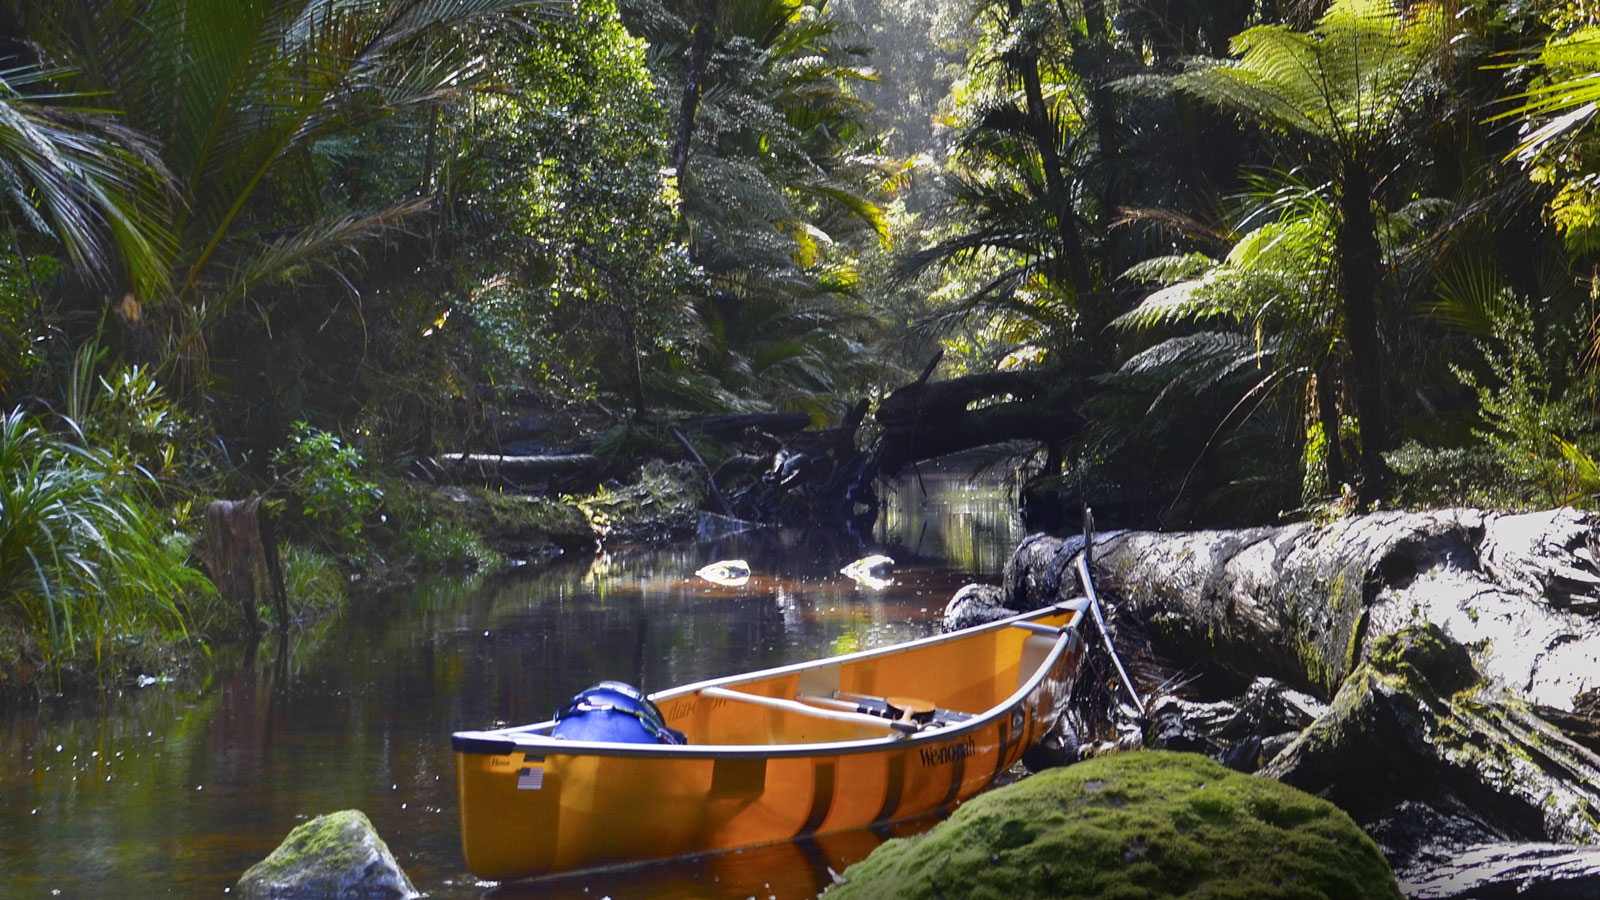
[(174, 789)]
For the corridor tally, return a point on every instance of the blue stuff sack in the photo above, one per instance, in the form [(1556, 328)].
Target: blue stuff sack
[(616, 713)]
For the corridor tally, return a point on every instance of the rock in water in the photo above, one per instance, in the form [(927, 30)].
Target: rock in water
[(975, 604), (1151, 824), (338, 856), (867, 570), (726, 572)]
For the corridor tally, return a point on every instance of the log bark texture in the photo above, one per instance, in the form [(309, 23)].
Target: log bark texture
[(1514, 871), (241, 552), (1464, 647), (479, 468), (1304, 602)]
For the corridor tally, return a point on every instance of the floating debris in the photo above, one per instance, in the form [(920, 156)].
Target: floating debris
[(865, 571), (727, 572)]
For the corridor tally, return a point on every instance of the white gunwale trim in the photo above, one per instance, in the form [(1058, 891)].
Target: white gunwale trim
[(529, 739)]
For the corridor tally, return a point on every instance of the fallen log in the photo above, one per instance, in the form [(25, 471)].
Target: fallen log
[(1459, 642), (1416, 722), (729, 427), (456, 468), (1513, 871), (929, 419), (1303, 602)]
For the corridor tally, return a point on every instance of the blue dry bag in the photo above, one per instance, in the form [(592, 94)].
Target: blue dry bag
[(616, 713)]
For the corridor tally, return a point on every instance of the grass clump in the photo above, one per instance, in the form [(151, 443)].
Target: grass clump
[(444, 545), (86, 564), (442, 527), (1136, 825), (312, 580)]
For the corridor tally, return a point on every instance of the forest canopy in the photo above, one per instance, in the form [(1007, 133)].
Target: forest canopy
[(1247, 261)]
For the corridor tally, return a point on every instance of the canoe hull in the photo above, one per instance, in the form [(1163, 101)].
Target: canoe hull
[(532, 807)]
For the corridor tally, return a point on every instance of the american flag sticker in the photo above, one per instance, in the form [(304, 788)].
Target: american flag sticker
[(531, 778)]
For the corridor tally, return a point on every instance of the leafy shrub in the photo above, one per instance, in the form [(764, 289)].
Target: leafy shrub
[(1529, 408), (1431, 477), (323, 474), (83, 561)]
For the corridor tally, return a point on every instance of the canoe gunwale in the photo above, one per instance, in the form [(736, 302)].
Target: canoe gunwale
[(528, 739)]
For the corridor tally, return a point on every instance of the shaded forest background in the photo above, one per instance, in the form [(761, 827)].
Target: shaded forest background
[(1269, 260)]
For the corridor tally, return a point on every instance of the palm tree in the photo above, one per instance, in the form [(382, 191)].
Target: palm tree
[(1339, 93), (775, 171), (1265, 311), (237, 96)]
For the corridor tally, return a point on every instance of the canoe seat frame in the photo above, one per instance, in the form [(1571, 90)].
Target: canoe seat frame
[(796, 706)]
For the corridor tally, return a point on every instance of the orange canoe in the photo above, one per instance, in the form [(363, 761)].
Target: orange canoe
[(791, 752)]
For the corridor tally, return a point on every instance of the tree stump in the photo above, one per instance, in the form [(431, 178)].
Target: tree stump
[(241, 551)]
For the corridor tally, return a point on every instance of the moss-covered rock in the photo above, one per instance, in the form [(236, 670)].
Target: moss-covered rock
[(336, 855), (1135, 825)]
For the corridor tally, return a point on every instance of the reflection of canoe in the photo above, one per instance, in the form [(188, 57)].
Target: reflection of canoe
[(801, 868), (785, 753)]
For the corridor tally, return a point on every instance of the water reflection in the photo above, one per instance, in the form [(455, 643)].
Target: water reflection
[(174, 789)]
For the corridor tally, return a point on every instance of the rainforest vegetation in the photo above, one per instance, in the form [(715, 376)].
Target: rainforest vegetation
[(1243, 262)]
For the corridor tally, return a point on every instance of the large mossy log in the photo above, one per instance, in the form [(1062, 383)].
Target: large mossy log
[(1304, 602), (1416, 722), (1450, 642)]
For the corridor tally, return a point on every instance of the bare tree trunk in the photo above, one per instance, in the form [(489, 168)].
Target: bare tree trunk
[(242, 554), (705, 33), (1328, 415), (1026, 62), (1361, 278)]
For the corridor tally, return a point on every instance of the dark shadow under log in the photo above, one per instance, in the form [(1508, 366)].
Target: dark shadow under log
[(929, 419)]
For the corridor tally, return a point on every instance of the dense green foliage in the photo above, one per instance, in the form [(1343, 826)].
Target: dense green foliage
[(1297, 254), (84, 562)]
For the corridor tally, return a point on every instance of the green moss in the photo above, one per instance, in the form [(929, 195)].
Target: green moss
[(1352, 649), (438, 526), (1314, 663), (330, 841), (663, 499), (1136, 825), (1425, 652)]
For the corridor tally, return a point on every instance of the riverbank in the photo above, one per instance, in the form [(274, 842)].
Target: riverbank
[(209, 774), (410, 530)]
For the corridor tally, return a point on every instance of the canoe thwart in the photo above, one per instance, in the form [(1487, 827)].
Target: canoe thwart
[(903, 709), (796, 706)]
